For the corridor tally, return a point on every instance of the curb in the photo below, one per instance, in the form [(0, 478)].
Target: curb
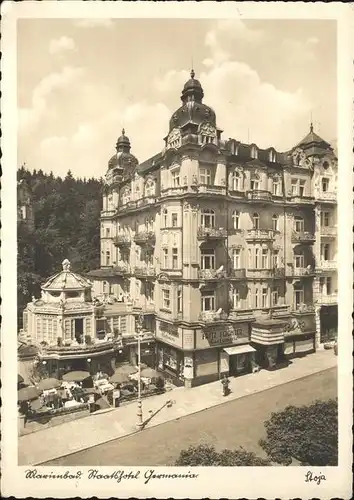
[(129, 434)]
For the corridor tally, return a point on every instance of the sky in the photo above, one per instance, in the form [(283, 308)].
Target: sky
[(81, 81)]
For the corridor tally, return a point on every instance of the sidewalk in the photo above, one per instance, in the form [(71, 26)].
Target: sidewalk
[(92, 430)]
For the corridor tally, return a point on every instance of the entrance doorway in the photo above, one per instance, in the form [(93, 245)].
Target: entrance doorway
[(79, 330)]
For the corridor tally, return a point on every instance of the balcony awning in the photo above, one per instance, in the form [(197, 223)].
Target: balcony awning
[(239, 349)]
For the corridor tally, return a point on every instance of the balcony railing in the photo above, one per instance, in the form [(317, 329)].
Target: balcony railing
[(327, 196), (145, 271), (121, 269), (259, 273), (302, 237), (208, 189), (145, 238), (211, 274), (122, 240), (134, 204), (303, 200), (174, 191), (327, 299), (211, 233), (260, 234), (212, 316), (303, 309), (279, 272), (237, 274), (328, 265), (96, 345), (108, 213), (300, 272), (144, 305), (259, 195), (328, 231)]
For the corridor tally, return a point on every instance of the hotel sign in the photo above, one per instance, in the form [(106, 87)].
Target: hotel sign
[(222, 336), (300, 325), (169, 333)]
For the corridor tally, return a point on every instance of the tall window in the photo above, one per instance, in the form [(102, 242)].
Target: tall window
[(149, 290), (325, 219), (179, 300), (264, 297), (236, 219), (272, 155), (275, 296), (236, 258), (275, 223), (256, 260), (294, 186), (174, 219), (254, 183), (255, 218), (264, 258), (298, 297), (208, 301), (298, 224), (326, 251), (236, 298), (205, 176), (299, 261), (254, 152), (175, 177), (207, 259), (149, 188), (105, 287), (207, 218), (108, 258), (108, 232), (329, 285), (302, 188), (236, 181), (276, 186), (166, 300), (256, 298), (174, 258), (165, 257), (165, 218), (275, 258), (325, 184)]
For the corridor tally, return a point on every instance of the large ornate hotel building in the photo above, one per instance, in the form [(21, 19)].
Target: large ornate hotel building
[(227, 249)]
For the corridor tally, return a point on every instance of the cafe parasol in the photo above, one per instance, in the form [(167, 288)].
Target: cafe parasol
[(76, 376), (149, 373), (126, 369), (27, 393), (48, 383), (119, 378)]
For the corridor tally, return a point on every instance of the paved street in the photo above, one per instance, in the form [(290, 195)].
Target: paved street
[(236, 423)]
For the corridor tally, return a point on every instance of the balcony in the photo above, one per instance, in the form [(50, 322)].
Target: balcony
[(259, 195), (327, 196), (279, 272), (211, 274), (302, 237), (329, 231), (259, 235), (145, 238), (108, 213), (209, 189), (237, 274), (328, 265), (259, 273), (208, 317), (144, 306), (121, 269), (73, 348), (302, 200), (122, 240), (144, 271), (303, 309), (174, 191), (137, 204), (300, 272), (327, 300), (211, 233)]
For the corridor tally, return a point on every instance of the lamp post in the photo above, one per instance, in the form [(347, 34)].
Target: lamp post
[(139, 413)]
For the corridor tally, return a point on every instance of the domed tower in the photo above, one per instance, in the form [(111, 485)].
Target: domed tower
[(122, 164), (194, 121)]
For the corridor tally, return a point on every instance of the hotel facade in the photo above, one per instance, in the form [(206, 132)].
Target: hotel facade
[(227, 249)]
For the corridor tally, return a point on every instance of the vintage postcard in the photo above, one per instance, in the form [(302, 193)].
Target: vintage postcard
[(177, 249)]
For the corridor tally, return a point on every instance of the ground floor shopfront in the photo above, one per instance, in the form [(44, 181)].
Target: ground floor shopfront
[(328, 323)]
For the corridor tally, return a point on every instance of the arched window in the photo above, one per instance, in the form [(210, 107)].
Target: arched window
[(150, 188), (255, 218), (236, 180), (236, 219), (276, 186), (298, 224), (165, 218), (272, 155), (207, 218), (275, 223), (254, 152)]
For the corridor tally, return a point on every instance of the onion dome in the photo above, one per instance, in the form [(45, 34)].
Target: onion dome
[(123, 158), (66, 280), (193, 110)]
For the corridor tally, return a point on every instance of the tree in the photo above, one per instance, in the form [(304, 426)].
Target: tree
[(206, 455), (307, 433)]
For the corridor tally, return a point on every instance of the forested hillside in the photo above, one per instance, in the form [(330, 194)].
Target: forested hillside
[(67, 225)]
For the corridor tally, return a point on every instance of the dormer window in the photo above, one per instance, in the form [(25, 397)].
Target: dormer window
[(272, 155), (254, 152)]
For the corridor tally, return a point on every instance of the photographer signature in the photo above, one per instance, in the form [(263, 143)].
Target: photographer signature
[(311, 477)]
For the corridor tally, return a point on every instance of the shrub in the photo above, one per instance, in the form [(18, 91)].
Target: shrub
[(206, 455)]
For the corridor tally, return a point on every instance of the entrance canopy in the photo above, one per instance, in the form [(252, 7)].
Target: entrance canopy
[(239, 349)]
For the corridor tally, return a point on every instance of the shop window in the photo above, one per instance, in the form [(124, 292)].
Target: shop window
[(207, 259), (236, 258), (299, 224), (166, 300), (174, 258), (208, 301), (205, 176), (236, 219), (325, 184), (255, 219), (207, 218), (174, 220)]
